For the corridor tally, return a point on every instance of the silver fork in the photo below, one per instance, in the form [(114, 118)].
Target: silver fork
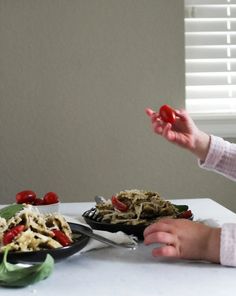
[(88, 232)]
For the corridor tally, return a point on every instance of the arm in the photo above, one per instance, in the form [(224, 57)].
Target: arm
[(221, 158), (214, 153)]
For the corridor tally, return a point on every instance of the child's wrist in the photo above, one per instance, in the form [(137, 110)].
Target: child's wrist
[(212, 252), (201, 146)]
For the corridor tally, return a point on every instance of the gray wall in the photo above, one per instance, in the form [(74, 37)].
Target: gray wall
[(76, 77)]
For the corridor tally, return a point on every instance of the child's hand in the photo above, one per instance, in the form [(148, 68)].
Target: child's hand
[(182, 132), (181, 238)]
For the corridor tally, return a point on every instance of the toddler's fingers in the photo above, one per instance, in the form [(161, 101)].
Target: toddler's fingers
[(168, 133), (152, 114), (160, 237), (181, 114), (165, 251), (158, 226), (158, 129), (149, 112)]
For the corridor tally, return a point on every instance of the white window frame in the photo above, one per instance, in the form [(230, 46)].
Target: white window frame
[(221, 122)]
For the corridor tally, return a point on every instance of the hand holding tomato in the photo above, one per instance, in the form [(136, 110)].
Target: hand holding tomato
[(175, 126), (165, 114), (166, 121), (179, 128)]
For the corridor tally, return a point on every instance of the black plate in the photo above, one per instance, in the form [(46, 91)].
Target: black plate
[(58, 254), (136, 230)]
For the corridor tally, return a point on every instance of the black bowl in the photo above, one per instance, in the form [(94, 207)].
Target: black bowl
[(58, 254), (136, 230)]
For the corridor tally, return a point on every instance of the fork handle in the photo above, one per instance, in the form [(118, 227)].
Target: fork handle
[(88, 232)]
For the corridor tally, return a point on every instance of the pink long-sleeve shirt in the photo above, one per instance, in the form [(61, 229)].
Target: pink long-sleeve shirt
[(221, 158)]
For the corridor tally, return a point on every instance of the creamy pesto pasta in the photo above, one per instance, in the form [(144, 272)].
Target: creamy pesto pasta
[(133, 207)]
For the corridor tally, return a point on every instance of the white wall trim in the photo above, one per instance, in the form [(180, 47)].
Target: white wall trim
[(216, 124)]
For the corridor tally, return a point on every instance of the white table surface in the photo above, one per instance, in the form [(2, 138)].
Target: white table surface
[(111, 271)]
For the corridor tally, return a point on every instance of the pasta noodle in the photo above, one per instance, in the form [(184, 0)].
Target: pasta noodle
[(143, 207), (38, 230)]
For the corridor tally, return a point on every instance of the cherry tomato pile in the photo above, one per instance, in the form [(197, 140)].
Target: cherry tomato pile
[(29, 197)]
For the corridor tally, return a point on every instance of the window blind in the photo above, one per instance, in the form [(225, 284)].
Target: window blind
[(210, 59)]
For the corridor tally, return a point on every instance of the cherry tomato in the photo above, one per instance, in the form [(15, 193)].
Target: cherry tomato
[(9, 235), (26, 196), (186, 215), (167, 114), (61, 237), (38, 202), (50, 198), (118, 204)]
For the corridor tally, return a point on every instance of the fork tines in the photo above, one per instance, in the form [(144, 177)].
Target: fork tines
[(92, 214)]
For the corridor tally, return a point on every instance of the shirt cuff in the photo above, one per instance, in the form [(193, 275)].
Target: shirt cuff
[(228, 245), (216, 150)]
